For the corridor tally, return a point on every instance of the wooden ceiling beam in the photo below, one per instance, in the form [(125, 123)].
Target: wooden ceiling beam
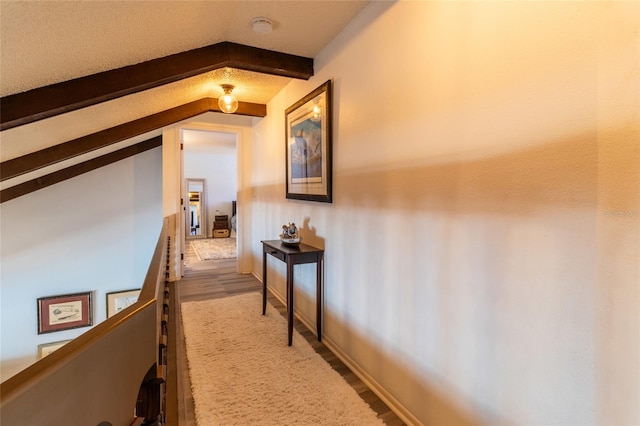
[(48, 101), (73, 148), (77, 169)]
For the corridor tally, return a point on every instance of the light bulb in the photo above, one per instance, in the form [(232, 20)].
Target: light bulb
[(317, 113), (228, 103)]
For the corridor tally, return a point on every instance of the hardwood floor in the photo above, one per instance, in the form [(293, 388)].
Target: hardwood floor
[(217, 278)]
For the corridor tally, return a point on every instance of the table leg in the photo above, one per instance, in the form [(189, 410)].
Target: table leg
[(264, 282), (290, 300), (319, 267)]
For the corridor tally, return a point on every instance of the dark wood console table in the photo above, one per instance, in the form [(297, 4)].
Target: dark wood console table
[(293, 255)]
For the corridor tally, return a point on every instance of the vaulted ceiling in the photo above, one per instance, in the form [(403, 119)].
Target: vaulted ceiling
[(79, 46), (45, 42)]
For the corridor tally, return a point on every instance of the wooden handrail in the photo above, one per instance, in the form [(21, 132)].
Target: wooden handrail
[(96, 377)]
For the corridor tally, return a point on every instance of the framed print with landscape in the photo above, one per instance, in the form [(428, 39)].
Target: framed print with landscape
[(118, 300), (56, 313), (308, 146)]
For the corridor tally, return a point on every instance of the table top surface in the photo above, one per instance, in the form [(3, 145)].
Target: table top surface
[(300, 248)]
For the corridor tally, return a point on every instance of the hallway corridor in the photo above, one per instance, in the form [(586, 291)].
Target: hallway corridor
[(218, 278)]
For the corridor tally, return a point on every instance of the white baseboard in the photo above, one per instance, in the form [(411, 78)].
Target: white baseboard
[(395, 406)]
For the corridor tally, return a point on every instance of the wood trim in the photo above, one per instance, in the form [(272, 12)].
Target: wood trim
[(59, 98), (48, 156), (78, 169)]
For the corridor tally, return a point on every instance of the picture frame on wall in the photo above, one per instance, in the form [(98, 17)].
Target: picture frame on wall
[(119, 300), (309, 146), (48, 348), (64, 312)]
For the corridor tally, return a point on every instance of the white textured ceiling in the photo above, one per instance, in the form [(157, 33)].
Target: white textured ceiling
[(45, 42), (203, 141)]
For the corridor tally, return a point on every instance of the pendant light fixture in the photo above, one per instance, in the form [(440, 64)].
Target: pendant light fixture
[(228, 103)]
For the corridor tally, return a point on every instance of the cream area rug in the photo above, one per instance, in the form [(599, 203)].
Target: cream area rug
[(214, 248), (243, 373)]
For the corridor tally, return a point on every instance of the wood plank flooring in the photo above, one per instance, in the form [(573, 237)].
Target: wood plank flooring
[(218, 278)]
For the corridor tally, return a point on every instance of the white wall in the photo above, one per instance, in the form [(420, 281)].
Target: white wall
[(217, 163), (95, 232), (483, 247)]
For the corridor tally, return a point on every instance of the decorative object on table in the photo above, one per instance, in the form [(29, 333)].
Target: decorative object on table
[(64, 312), (308, 146), (119, 300), (290, 234)]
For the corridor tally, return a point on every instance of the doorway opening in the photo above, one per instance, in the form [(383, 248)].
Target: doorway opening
[(210, 188)]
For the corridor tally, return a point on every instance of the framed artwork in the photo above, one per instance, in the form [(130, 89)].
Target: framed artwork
[(308, 146), (48, 348), (56, 313), (119, 300)]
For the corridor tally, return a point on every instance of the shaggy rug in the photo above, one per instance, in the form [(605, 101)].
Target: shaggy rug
[(243, 373), (214, 248)]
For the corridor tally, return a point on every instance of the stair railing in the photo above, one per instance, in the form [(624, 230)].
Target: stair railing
[(113, 374)]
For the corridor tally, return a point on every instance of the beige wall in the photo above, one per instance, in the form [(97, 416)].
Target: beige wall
[(484, 241), (172, 176), (483, 246)]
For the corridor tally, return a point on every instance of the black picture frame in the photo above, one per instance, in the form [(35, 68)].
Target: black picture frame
[(308, 146)]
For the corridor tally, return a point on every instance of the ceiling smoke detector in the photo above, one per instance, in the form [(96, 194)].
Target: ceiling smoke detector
[(262, 25)]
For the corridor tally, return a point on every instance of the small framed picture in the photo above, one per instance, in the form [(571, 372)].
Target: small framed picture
[(56, 313), (48, 348), (308, 146), (119, 300)]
